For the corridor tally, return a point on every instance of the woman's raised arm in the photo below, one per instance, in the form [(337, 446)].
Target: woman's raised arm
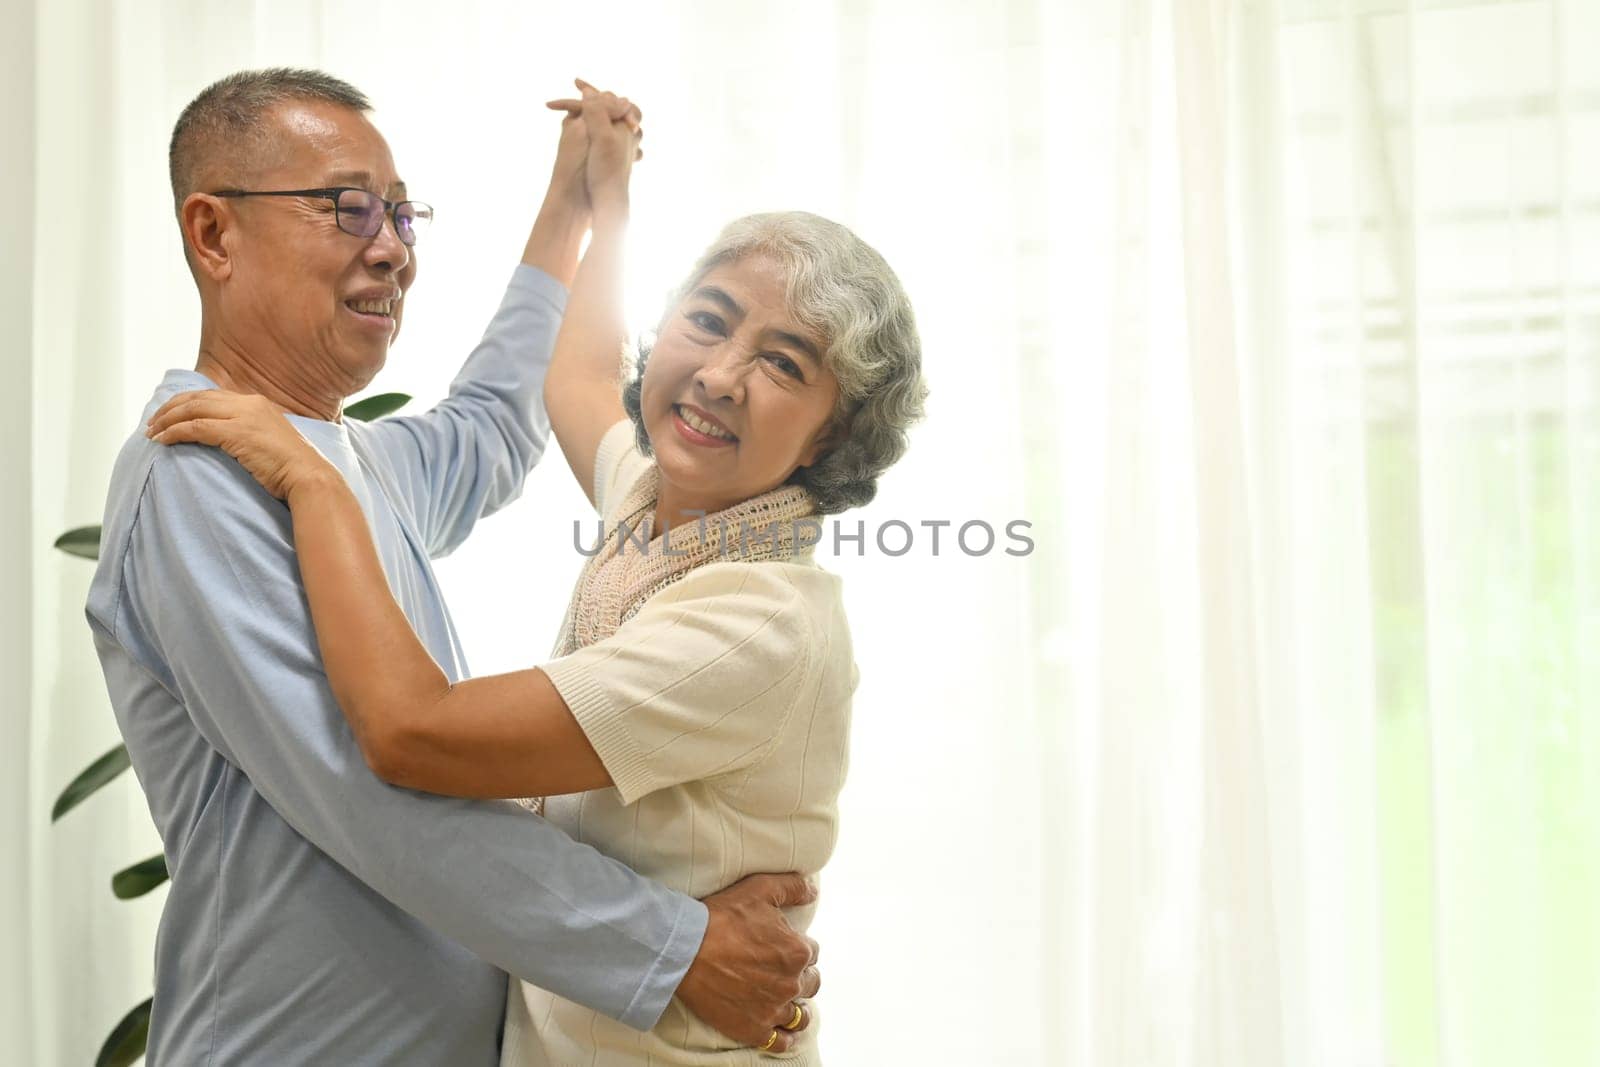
[(583, 388)]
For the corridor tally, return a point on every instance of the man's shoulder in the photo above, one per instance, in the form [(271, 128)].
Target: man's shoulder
[(203, 484), (141, 463), (177, 501)]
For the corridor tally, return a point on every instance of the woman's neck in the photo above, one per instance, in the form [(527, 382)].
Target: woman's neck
[(678, 508)]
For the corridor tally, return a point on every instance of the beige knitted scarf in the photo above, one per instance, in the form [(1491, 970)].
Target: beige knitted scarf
[(627, 570)]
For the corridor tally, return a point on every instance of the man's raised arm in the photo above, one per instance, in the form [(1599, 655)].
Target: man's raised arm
[(470, 454)]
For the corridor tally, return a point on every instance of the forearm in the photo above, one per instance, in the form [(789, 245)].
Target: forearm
[(382, 676), (583, 390), (210, 592), (593, 330), (507, 735), (556, 238), (469, 455)]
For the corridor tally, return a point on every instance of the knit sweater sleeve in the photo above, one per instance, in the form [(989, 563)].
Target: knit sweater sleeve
[(617, 464), (698, 684)]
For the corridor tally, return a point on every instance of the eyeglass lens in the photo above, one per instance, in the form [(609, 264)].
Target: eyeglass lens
[(361, 214)]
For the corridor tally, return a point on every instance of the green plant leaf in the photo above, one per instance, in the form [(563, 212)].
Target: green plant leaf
[(126, 1042), (94, 776), (376, 407), (83, 541), (139, 879)]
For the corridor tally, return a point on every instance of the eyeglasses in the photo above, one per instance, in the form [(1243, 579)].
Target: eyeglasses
[(360, 213)]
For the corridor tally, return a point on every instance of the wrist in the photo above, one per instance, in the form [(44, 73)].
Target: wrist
[(565, 207), (610, 208), (556, 237), (315, 482)]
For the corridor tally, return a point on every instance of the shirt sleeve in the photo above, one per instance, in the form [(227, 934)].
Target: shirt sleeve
[(617, 464), (469, 455), (698, 684), (212, 604)]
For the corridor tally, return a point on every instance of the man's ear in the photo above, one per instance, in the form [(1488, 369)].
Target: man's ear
[(205, 221)]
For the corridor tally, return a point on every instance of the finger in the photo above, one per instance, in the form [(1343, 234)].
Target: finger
[(810, 983), (788, 890), (164, 413), (627, 114), (189, 406), (584, 86), (789, 1016), (190, 431), (566, 103), (175, 401), (188, 394), (816, 950), (595, 109), (210, 404), (784, 1042), (631, 112)]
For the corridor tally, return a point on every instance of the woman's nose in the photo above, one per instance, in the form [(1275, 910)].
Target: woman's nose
[(722, 375)]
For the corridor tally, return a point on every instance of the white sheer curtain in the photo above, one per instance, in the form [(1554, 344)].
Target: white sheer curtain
[(1280, 323)]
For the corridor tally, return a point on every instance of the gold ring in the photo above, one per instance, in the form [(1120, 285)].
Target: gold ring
[(773, 1040), (799, 1017)]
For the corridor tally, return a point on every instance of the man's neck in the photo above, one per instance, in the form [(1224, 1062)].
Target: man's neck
[(238, 373)]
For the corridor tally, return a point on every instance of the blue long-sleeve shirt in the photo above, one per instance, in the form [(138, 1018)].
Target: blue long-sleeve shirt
[(316, 914)]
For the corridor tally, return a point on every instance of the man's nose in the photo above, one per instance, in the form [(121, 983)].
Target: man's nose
[(385, 250)]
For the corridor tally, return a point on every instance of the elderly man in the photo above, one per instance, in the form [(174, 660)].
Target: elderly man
[(317, 915)]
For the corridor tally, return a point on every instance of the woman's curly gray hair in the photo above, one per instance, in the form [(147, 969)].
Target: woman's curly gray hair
[(839, 287)]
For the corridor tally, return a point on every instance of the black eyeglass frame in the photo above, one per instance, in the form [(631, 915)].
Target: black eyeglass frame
[(391, 208)]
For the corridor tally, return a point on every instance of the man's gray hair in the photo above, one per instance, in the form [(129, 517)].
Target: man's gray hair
[(839, 287), (228, 120)]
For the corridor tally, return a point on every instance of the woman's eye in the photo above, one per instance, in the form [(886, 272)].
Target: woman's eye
[(786, 365), (706, 321)]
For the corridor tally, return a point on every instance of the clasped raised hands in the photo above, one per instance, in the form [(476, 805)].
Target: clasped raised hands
[(599, 139)]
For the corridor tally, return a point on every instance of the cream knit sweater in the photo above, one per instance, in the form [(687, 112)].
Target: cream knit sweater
[(722, 711)]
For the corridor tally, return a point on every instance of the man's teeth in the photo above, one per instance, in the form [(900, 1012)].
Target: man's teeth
[(373, 307), (697, 423)]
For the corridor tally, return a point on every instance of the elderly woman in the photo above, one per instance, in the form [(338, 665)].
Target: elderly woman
[(694, 722)]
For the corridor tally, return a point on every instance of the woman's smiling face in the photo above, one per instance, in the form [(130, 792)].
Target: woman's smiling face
[(736, 393)]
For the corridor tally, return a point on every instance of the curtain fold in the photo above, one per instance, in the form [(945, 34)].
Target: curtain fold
[(18, 810), (1238, 1015)]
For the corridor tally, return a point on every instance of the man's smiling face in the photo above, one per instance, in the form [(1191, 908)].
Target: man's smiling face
[(301, 291)]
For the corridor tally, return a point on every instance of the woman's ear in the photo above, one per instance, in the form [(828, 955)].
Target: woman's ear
[(822, 442)]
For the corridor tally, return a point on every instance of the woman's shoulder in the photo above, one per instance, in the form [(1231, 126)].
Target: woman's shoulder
[(618, 466), (796, 597), (794, 584)]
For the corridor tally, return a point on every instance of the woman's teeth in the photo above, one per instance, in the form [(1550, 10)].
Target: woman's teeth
[(702, 426), (372, 307)]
